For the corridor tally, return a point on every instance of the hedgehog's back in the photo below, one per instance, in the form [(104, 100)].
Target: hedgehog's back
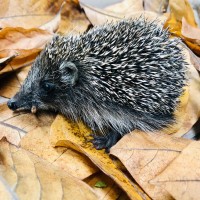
[(136, 64)]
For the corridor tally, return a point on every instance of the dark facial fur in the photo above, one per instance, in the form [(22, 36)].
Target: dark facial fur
[(116, 78)]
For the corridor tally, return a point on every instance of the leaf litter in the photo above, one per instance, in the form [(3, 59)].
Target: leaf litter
[(157, 164)]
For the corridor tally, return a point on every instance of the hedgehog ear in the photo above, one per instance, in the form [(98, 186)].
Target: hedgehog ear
[(69, 72)]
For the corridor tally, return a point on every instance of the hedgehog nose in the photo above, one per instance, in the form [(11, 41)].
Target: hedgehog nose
[(12, 104)]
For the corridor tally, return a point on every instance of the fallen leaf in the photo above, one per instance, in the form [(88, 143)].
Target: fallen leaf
[(4, 61), (182, 173), (180, 21), (20, 38), (146, 155), (53, 24), (98, 14), (195, 60), (195, 4), (180, 9), (37, 142), (194, 47), (68, 134), (14, 126), (158, 6), (123, 7), (42, 12), (3, 100), (190, 32), (38, 13), (5, 190), (24, 58), (26, 43), (31, 177)]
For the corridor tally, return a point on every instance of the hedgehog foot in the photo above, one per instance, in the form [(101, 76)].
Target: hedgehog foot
[(105, 141)]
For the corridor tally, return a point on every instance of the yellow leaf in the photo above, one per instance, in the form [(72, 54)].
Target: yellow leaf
[(66, 133), (180, 9)]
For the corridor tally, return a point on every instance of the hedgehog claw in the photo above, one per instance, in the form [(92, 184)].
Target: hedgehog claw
[(105, 142)]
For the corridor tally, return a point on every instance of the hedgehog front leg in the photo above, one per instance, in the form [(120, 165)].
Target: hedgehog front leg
[(105, 141)]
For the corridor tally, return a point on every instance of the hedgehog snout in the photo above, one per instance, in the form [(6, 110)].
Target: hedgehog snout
[(12, 104), (21, 102)]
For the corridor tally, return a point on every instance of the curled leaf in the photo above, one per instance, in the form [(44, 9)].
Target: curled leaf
[(66, 133)]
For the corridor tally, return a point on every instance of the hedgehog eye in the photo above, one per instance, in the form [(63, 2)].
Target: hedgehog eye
[(48, 86)]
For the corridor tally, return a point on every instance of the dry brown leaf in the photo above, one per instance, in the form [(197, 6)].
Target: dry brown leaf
[(41, 12), (146, 156), (195, 60), (3, 100), (182, 173), (4, 61), (14, 126), (26, 43), (190, 32), (158, 6), (53, 24), (65, 133), (125, 9), (194, 47), (37, 142), (20, 38), (182, 23), (38, 13), (195, 4), (24, 20), (49, 24), (25, 58), (30, 177)]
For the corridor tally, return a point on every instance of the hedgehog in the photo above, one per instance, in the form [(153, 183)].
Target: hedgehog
[(116, 78)]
